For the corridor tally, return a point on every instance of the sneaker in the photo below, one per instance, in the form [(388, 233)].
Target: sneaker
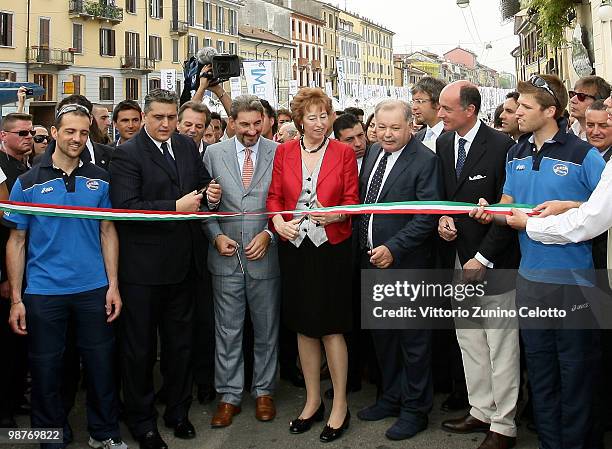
[(111, 443)]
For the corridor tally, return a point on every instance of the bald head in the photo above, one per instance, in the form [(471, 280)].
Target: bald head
[(459, 106)]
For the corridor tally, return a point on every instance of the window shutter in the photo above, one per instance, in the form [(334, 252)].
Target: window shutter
[(112, 42), (101, 41), (161, 9)]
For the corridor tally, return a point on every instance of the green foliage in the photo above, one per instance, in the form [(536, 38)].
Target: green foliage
[(552, 18)]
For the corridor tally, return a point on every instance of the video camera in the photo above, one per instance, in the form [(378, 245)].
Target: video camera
[(224, 67)]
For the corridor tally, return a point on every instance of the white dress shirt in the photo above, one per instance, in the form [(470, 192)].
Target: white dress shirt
[(90, 148), (240, 154), (158, 143), (393, 157), (589, 220), (359, 162), (469, 137), (578, 131)]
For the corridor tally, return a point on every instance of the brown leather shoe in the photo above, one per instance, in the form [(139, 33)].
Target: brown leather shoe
[(264, 408), (224, 414), (497, 441), (467, 424)]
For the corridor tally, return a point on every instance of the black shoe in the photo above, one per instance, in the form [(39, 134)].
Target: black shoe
[(330, 434), (206, 394), (152, 440), (184, 429), (302, 425), (329, 393), (455, 402)]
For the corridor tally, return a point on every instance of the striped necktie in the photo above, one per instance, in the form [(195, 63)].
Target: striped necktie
[(247, 168)]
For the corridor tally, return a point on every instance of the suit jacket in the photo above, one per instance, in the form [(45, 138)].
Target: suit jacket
[(415, 176), (220, 159), (420, 135), (483, 176), (156, 253), (337, 183)]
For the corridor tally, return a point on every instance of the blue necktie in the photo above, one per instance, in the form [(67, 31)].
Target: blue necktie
[(371, 197), (171, 161), (461, 157)]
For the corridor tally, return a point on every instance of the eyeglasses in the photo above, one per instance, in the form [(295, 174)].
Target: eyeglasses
[(540, 83), (41, 139), (581, 96), (72, 108), (23, 132)]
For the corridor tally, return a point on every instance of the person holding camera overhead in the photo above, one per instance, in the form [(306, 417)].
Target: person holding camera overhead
[(316, 279)]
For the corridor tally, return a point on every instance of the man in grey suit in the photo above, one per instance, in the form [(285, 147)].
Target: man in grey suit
[(243, 262)]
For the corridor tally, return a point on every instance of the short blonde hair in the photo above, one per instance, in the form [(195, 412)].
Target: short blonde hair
[(307, 97)]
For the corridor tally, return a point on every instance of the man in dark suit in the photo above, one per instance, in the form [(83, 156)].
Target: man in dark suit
[(425, 106), (158, 265), (473, 159), (399, 168)]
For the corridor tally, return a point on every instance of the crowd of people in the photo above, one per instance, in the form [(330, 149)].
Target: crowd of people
[(235, 302)]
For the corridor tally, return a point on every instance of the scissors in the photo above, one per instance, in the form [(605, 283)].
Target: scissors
[(239, 258), (204, 189)]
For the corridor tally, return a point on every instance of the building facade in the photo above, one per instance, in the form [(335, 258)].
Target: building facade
[(306, 34), (108, 50)]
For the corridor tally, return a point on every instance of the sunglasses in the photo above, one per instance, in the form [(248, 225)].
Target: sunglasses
[(23, 132), (41, 139), (540, 83), (581, 96)]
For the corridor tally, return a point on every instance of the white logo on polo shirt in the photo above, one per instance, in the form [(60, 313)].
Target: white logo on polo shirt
[(92, 184), (46, 190), (560, 169)]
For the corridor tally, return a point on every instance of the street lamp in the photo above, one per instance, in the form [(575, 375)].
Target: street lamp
[(605, 11), (463, 3)]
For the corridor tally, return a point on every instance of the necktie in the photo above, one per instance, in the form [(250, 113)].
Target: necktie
[(169, 159), (371, 197), (247, 168), (461, 157), (428, 135)]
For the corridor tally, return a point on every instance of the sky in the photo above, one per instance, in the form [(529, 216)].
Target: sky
[(439, 25)]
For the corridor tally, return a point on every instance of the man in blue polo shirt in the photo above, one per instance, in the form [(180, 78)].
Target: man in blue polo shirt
[(71, 274), (563, 364)]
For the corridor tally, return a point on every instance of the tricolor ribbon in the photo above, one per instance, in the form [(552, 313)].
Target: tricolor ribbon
[(405, 207)]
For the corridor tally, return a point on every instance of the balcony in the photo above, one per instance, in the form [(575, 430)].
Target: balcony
[(95, 10), (316, 65), (60, 58), (137, 64), (179, 27), (302, 62)]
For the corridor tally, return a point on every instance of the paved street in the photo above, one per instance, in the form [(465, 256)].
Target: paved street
[(248, 433)]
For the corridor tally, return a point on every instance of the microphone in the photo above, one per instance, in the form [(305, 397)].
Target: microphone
[(205, 55)]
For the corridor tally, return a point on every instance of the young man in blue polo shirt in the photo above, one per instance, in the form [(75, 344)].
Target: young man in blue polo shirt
[(548, 163), (71, 274)]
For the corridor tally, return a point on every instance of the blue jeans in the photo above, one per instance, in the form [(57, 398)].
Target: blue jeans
[(47, 319)]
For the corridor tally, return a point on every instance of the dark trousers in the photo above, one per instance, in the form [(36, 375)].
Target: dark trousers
[(14, 354), (564, 369), (147, 310), (47, 319), (404, 357), (204, 334)]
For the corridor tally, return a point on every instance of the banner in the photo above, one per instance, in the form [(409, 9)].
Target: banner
[(293, 87), (329, 91), (168, 79), (236, 87), (260, 80)]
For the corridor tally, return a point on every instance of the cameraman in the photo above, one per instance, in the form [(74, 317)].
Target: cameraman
[(218, 90)]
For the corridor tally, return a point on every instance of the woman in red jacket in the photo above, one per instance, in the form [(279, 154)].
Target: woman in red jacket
[(315, 252)]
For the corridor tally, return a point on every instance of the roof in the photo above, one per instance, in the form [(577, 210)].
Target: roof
[(258, 33), (462, 49)]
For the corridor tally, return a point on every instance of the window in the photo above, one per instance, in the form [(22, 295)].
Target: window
[(193, 45), (156, 9), (191, 12), (232, 48), (44, 37), (77, 37), (175, 50), (107, 42), (221, 46), (207, 42), (46, 82), (220, 19), (155, 48), (130, 6), (207, 16), (154, 83), (6, 29), (131, 88), (132, 45), (233, 22), (8, 75), (76, 80), (106, 88)]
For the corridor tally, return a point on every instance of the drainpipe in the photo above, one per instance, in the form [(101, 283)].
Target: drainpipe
[(28, 44)]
